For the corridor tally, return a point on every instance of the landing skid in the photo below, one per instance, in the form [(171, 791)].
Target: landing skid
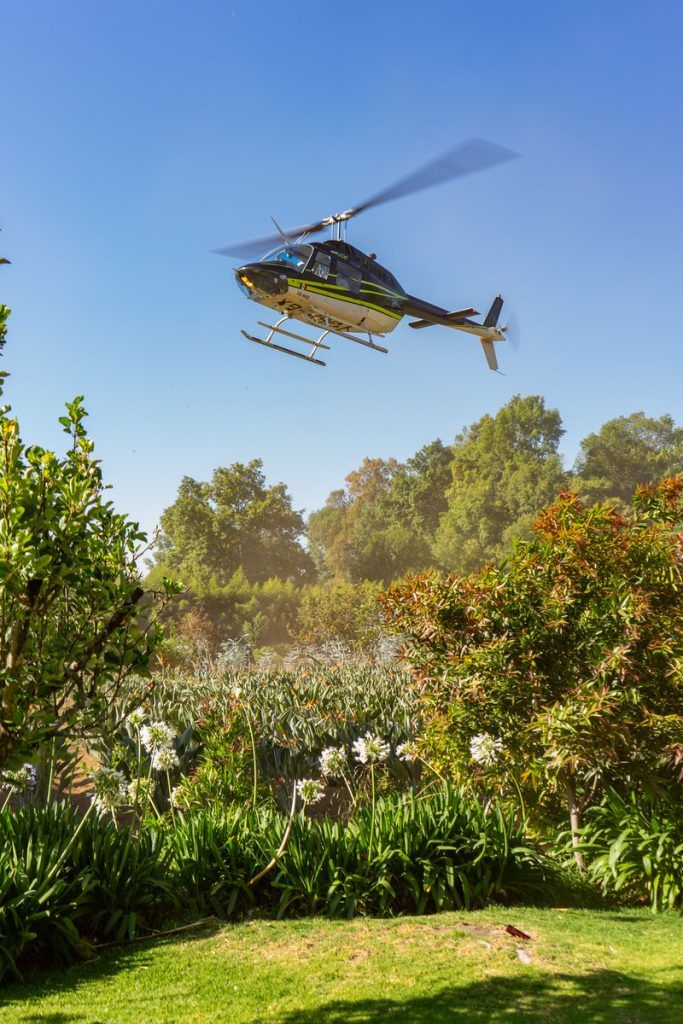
[(316, 343)]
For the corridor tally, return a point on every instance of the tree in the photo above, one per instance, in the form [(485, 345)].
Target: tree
[(379, 527), (418, 489), (626, 452), (73, 624), (504, 469), (233, 522), (562, 666)]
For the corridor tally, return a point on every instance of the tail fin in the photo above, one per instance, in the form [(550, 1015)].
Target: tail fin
[(494, 312), (490, 354)]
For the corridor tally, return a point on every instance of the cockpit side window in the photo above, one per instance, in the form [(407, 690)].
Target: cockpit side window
[(296, 256)]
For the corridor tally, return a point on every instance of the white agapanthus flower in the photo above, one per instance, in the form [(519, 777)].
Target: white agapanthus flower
[(310, 790), (371, 749), (179, 798), (164, 760), (139, 791), (156, 736), (109, 790), (407, 751), (485, 749), (136, 718), (333, 761), (19, 780)]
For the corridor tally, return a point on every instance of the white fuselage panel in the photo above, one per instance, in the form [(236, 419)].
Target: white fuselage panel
[(324, 311)]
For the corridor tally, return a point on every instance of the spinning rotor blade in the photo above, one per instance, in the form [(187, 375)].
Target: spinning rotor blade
[(258, 246), (465, 158)]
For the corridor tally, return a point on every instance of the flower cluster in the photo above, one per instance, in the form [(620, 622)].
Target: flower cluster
[(310, 790), (136, 718), (407, 751), (156, 736), (485, 749), (164, 759), (370, 749), (139, 791), (180, 797), (20, 780), (333, 761), (109, 790)]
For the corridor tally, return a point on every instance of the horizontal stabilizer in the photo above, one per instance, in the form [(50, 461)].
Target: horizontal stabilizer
[(447, 320)]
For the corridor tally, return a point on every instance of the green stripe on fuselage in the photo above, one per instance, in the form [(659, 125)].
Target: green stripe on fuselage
[(342, 295)]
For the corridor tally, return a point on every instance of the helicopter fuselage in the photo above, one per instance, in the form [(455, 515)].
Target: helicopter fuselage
[(328, 284)]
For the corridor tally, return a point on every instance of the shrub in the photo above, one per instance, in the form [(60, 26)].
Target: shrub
[(431, 853), (561, 665), (128, 880), (41, 896), (65, 883), (634, 848)]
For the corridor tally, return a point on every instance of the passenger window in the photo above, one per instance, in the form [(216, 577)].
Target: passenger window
[(348, 276)]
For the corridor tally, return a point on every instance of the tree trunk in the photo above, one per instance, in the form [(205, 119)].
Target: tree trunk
[(574, 820)]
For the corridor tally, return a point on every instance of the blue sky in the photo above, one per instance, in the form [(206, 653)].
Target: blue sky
[(138, 136)]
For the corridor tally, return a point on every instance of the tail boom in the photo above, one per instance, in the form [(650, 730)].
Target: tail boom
[(488, 332)]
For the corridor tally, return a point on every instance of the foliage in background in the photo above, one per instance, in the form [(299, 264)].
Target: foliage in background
[(341, 612), (380, 525), (235, 541), (290, 716), (233, 522), (627, 452), (561, 667), (505, 468), (72, 626)]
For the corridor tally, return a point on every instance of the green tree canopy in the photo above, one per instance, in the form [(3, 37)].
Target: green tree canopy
[(504, 469), (626, 452), (380, 526), (233, 522)]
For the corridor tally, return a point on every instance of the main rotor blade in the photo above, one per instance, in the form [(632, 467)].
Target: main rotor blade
[(254, 247), (465, 158)]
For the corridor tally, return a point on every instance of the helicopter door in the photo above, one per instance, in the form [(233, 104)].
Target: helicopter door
[(349, 278)]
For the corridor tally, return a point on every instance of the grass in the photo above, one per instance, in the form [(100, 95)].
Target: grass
[(460, 968)]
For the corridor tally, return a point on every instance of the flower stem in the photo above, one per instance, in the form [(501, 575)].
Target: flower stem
[(170, 801), (253, 754), (281, 848), (372, 819), (348, 786)]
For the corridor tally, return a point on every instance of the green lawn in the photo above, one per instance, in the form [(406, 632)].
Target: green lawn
[(586, 966)]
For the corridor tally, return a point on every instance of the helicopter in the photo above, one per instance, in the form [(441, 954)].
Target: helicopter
[(340, 290)]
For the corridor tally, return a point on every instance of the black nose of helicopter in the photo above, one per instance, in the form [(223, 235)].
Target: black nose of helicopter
[(255, 277)]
